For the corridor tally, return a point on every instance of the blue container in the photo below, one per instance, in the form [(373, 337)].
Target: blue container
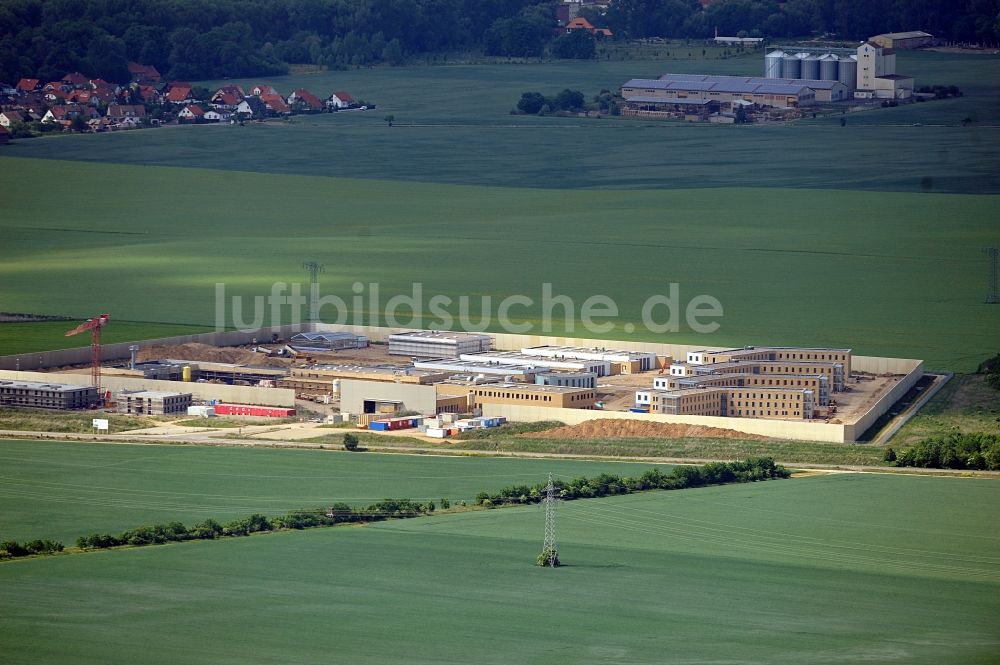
[(377, 426)]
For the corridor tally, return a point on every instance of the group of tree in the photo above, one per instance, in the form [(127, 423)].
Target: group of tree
[(606, 484), (955, 20), (211, 529), (976, 451), (237, 38), (11, 549), (991, 368), (533, 103)]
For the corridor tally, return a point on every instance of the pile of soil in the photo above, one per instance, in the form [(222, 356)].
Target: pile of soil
[(207, 353), (613, 428)]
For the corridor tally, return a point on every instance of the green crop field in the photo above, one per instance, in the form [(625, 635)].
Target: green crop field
[(886, 273), (65, 490), (843, 568)]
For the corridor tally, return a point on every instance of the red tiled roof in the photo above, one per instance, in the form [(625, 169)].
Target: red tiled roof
[(343, 96), (178, 92), (194, 109), (27, 85), (275, 103), (76, 78), (307, 98), (579, 23)]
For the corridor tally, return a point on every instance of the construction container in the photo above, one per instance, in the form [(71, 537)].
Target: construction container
[(186, 373), (201, 411), (437, 432), (392, 424)]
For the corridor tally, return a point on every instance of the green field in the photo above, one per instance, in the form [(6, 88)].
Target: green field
[(834, 569), (868, 236), (64, 490), (902, 284), (453, 125), (25, 337)]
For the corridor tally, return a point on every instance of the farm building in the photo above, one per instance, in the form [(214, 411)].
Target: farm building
[(327, 341), (716, 92), (38, 395), (152, 402), (903, 40), (437, 344)]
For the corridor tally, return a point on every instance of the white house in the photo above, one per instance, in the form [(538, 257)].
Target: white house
[(8, 118), (217, 116), (191, 113), (340, 100)]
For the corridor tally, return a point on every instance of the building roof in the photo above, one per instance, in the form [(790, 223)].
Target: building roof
[(323, 336), (665, 100), (307, 97), (729, 84), (905, 35), (436, 336), (579, 23), (27, 85), (194, 109), (342, 96), (39, 385), (179, 92)]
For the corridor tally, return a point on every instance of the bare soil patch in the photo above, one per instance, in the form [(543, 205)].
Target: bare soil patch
[(614, 428), (206, 353)]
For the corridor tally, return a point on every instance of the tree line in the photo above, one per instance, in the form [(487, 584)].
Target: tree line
[(238, 38), (716, 473), (954, 20), (606, 484), (974, 451)]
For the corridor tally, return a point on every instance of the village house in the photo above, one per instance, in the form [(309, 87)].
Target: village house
[(251, 107), (143, 73), (28, 85), (118, 112), (179, 93), (580, 23), (10, 118), (76, 80), (227, 97), (277, 104), (304, 100), (191, 113), (340, 100), (64, 113), (260, 90), (216, 115)]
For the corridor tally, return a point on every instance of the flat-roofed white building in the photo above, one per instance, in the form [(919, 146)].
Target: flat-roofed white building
[(622, 362), (438, 344), (598, 367)]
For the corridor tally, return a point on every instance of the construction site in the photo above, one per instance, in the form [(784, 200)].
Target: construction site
[(368, 375)]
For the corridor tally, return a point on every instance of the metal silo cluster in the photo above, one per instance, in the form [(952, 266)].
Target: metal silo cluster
[(779, 64)]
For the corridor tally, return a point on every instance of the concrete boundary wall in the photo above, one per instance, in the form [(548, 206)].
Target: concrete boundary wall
[(780, 429), (204, 391), (893, 395)]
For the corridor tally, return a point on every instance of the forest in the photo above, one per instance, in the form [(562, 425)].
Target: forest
[(237, 38)]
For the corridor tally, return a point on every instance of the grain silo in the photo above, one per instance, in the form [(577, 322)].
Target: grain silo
[(810, 67), (791, 67), (828, 67), (773, 64), (847, 71)]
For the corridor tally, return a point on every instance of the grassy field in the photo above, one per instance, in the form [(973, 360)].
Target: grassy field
[(965, 404), (844, 568), (36, 420), (861, 281), (786, 452), (63, 490), (453, 125), (25, 337)]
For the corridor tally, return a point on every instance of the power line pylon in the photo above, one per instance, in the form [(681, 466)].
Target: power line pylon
[(549, 545), (994, 296), (314, 269)]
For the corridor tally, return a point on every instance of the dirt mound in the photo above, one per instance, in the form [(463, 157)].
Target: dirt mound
[(638, 429), (207, 353)]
